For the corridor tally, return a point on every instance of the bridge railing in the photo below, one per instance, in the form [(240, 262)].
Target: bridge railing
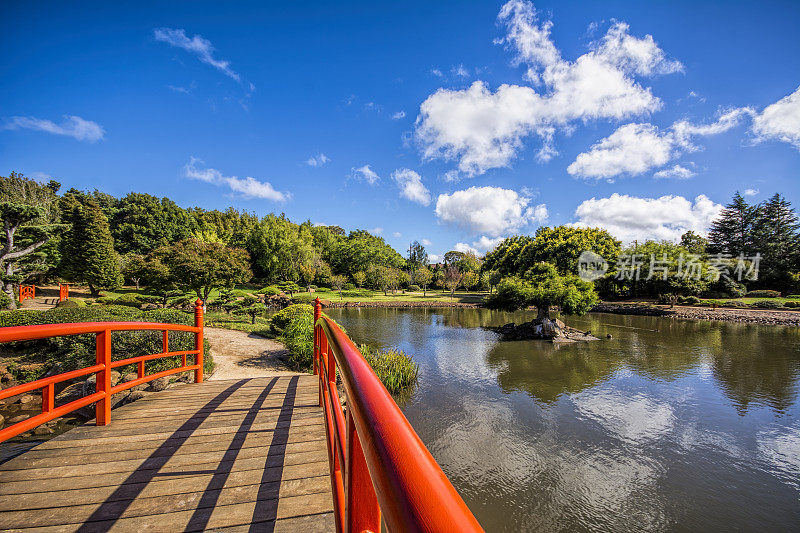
[(379, 465), (63, 292), (102, 367), (26, 292)]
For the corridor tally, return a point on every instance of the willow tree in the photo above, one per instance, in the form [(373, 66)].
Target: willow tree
[(29, 213)]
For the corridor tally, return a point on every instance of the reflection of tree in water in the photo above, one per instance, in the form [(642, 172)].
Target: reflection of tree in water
[(546, 372), (756, 368)]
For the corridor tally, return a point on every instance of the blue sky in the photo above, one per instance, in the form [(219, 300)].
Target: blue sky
[(453, 122)]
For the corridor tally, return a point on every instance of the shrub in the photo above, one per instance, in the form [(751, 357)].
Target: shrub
[(298, 337), (349, 286), (763, 294), (71, 303), (5, 301), (735, 304), (791, 304), (282, 318), (767, 304), (304, 298), (414, 288), (312, 287), (793, 296), (323, 289), (130, 299), (690, 300), (358, 293), (396, 369)]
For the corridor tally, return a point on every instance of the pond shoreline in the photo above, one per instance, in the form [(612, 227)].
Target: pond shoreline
[(753, 316), (332, 304)]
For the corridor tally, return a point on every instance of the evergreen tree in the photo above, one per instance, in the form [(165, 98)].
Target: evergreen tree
[(776, 232), (732, 232), (88, 249)]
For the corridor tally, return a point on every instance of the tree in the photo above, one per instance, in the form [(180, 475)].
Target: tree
[(694, 243), (140, 223), (776, 232), (543, 287), (254, 310), (470, 280), (279, 248), (359, 277), (732, 232), (493, 278), (452, 277), (88, 253), (158, 279), (417, 256), (203, 266), (380, 278), (337, 282), (134, 267), (30, 215), (423, 277)]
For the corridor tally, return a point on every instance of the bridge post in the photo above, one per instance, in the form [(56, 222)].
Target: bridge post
[(102, 409), (317, 314), (198, 340), (362, 512)]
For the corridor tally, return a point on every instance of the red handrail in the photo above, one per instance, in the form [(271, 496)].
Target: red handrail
[(378, 463), (102, 368), (63, 292), (26, 292)]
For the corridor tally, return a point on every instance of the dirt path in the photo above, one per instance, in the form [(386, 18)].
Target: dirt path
[(243, 355)]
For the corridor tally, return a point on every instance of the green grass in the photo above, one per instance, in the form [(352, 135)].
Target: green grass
[(218, 319), (431, 296)]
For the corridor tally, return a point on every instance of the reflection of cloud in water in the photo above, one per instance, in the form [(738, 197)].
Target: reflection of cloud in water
[(633, 418), (461, 354), (782, 450), (487, 451)]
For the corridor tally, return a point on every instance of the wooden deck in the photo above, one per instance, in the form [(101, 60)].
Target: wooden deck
[(231, 455)]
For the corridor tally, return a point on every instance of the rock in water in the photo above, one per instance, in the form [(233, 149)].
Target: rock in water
[(543, 328)]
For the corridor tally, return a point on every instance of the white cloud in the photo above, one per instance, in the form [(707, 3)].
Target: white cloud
[(41, 176), (484, 129), (376, 231), (460, 71), (318, 160), (490, 210), (676, 171), (451, 176), (664, 218), (780, 120), (637, 418), (751, 192), (434, 258), (426, 242), (637, 148), (365, 173), (465, 248), (197, 45), (397, 234), (632, 149), (436, 72), (399, 115), (72, 126), (411, 186), (247, 187)]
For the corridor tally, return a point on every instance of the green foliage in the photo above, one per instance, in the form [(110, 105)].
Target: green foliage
[(414, 288), (732, 232), (767, 304), (88, 253), (129, 299), (324, 289), (792, 305), (270, 290), (5, 301), (204, 266), (396, 369), (282, 318), (543, 287), (141, 223), (304, 298), (298, 337), (71, 303), (252, 309), (690, 300), (763, 294), (349, 286)]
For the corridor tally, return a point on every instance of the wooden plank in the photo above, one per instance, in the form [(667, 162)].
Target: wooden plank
[(219, 455)]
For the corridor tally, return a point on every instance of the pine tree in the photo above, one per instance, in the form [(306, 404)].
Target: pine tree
[(732, 232), (88, 249), (776, 231)]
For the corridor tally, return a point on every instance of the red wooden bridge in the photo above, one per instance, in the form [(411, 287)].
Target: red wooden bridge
[(275, 453)]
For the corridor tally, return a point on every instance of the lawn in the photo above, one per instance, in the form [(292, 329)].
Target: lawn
[(431, 296)]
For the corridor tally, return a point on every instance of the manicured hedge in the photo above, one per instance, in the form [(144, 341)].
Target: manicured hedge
[(763, 294), (281, 319)]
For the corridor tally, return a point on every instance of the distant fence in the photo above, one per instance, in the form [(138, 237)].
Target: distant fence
[(26, 292), (63, 292)]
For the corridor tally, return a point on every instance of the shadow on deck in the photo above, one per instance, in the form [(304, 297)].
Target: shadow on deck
[(234, 455)]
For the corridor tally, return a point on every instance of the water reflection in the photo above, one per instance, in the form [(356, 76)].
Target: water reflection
[(669, 425)]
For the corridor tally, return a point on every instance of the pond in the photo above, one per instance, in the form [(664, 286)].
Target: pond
[(669, 425)]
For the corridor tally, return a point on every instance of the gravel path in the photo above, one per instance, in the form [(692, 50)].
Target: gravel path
[(241, 355)]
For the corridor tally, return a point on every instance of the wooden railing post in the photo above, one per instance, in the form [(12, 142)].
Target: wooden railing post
[(317, 314), (103, 351), (362, 512), (198, 340)]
